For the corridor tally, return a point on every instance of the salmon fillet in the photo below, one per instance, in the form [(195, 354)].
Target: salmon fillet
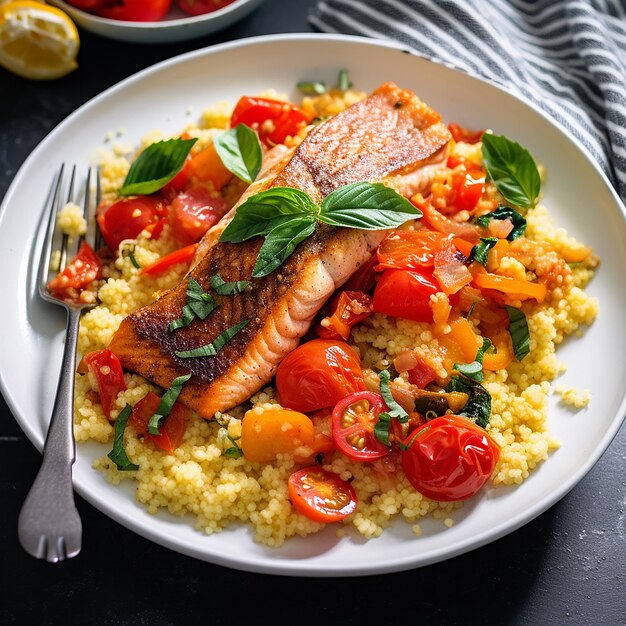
[(389, 133)]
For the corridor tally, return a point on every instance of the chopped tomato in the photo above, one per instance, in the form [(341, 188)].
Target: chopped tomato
[(83, 270), (199, 7), (318, 374), (182, 255), (364, 278), (461, 134), (408, 250), (321, 495), (354, 419), (126, 218), (135, 10), (272, 119), (405, 294), (421, 375), (347, 309), (106, 368), (193, 212), (172, 430), (449, 458), (468, 189)]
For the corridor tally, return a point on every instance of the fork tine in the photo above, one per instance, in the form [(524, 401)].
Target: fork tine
[(86, 205), (98, 241), (46, 253), (65, 238)]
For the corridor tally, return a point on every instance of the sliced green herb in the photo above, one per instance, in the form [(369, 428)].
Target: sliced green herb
[(471, 310), (474, 370), (512, 169), (480, 252), (504, 212), (311, 88), (211, 349), (199, 304), (234, 452), (118, 454), (156, 166), (478, 406), (240, 151), (381, 429), (227, 289), (343, 82), (129, 252), (518, 329), (165, 406), (395, 410)]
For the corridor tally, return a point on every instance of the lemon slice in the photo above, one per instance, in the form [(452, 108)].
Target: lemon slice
[(37, 41)]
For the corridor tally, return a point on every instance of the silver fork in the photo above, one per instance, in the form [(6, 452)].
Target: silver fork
[(49, 525)]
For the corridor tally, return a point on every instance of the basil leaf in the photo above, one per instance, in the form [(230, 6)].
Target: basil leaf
[(502, 213), (233, 452), (474, 370), (199, 304), (518, 329), (381, 428), (260, 213), (512, 169), (227, 289), (478, 406), (371, 206), (395, 410), (280, 242), (118, 454), (240, 151), (480, 252), (311, 88), (156, 166), (211, 349), (166, 404), (343, 82)]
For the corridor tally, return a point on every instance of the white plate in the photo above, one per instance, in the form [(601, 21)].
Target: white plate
[(160, 97), (175, 26)]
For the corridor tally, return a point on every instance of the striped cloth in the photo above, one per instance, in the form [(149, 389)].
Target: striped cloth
[(566, 56)]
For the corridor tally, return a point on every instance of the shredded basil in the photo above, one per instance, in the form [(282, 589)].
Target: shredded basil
[(474, 370), (165, 406), (471, 310), (199, 304), (240, 151), (383, 423), (211, 349), (480, 252), (311, 88), (118, 454), (129, 251), (504, 212), (478, 406), (518, 329), (381, 428), (227, 289)]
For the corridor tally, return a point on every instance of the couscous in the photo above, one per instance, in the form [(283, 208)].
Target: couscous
[(210, 471)]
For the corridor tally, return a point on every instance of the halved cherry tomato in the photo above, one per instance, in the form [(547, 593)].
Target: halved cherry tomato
[(406, 294), (193, 212), (318, 374), (347, 309), (135, 10), (468, 188), (126, 218), (321, 495), (272, 119), (459, 133), (449, 458), (354, 419), (408, 250), (364, 278), (172, 430), (83, 269), (182, 255), (199, 7), (106, 368), (180, 181)]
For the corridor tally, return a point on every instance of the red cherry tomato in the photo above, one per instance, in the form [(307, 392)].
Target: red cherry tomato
[(449, 458), (180, 181), (459, 133), (347, 309), (193, 212), (126, 218), (199, 7), (318, 374), (106, 368), (136, 10), (84, 269), (321, 495), (469, 187), (406, 294), (354, 419)]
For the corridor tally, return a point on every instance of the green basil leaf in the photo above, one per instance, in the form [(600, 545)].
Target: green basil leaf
[(395, 410), (280, 242), (518, 329), (234, 452), (118, 454), (199, 304), (381, 428), (474, 370), (480, 252), (311, 88), (211, 349), (502, 213), (343, 82), (227, 289), (156, 166), (165, 406), (240, 151), (478, 406), (512, 169), (261, 213), (371, 206)]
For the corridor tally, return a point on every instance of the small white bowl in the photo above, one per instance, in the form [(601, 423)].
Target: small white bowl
[(175, 26)]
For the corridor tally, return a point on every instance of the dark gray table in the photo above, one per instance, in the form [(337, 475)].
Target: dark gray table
[(567, 566)]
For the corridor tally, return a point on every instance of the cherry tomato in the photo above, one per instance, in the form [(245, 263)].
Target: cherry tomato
[(364, 278), (347, 309), (272, 119), (106, 368), (193, 212), (136, 10), (408, 250), (172, 430), (199, 7), (469, 187), (354, 419), (126, 218), (83, 269), (406, 294), (449, 458), (180, 181), (318, 374), (321, 495), (459, 133)]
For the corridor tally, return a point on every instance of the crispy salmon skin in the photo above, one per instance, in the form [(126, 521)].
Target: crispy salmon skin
[(389, 133)]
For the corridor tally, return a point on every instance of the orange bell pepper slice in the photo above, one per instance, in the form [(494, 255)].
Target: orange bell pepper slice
[(522, 289), (207, 166)]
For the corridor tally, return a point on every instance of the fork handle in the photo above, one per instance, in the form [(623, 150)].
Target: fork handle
[(49, 508)]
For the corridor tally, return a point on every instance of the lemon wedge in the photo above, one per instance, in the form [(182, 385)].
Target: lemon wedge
[(37, 41)]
